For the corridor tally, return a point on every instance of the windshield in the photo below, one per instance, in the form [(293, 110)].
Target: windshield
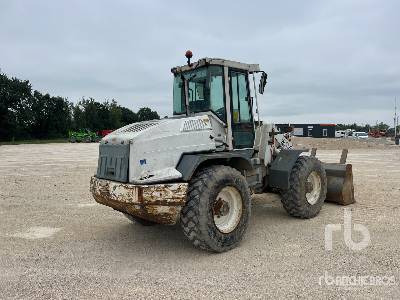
[(205, 91)]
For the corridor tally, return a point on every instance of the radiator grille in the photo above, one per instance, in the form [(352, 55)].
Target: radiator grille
[(113, 162)]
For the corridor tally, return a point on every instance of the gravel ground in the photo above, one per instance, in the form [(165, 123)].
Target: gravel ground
[(56, 242), (338, 144)]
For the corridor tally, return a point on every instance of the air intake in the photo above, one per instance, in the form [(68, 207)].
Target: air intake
[(195, 125), (135, 127)]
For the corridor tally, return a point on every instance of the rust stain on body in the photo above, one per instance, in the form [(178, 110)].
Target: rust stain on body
[(160, 203)]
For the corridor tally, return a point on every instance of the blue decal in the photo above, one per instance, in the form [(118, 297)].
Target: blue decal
[(142, 162)]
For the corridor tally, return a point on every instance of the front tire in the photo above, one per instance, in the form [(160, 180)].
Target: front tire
[(217, 211), (307, 188)]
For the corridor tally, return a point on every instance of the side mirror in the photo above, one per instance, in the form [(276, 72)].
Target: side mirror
[(263, 82)]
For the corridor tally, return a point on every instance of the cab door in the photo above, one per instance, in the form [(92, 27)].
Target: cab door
[(242, 119)]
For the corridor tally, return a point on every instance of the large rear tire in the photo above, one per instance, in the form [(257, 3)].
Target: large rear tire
[(307, 190), (217, 210)]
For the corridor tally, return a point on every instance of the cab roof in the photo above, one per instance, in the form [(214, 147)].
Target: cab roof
[(219, 62)]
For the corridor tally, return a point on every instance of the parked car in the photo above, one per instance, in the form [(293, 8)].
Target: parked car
[(360, 135), (340, 134), (349, 132)]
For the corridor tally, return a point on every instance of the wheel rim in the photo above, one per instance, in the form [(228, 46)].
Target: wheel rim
[(313, 188), (227, 209)]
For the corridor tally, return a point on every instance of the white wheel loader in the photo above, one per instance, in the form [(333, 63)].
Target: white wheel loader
[(200, 167)]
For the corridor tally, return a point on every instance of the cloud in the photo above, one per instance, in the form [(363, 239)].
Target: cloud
[(335, 61)]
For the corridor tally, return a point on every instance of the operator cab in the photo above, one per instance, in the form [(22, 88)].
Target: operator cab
[(220, 87)]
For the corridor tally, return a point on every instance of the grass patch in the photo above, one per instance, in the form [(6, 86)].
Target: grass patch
[(65, 140)]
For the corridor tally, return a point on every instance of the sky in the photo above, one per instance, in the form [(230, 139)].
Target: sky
[(327, 61)]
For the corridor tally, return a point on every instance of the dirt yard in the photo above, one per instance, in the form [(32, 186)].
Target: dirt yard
[(338, 144), (56, 242)]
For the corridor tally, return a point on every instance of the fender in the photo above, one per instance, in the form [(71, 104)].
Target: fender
[(281, 167), (189, 163)]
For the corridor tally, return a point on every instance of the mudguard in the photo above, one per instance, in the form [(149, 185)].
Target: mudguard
[(189, 163), (281, 167)]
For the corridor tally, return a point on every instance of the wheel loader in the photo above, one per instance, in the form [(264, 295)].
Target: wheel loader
[(82, 135), (200, 167)]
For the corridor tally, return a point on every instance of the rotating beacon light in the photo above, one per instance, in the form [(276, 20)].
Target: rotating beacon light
[(188, 55)]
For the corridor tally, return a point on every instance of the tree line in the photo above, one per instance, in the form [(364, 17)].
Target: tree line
[(365, 128), (28, 114)]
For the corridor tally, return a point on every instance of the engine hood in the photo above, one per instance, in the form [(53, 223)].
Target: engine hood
[(153, 148), (157, 128)]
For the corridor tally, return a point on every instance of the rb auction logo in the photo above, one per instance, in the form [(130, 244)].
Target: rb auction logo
[(347, 234)]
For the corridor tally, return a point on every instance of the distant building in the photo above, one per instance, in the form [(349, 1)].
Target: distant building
[(310, 130)]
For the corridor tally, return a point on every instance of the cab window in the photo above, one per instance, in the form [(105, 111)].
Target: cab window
[(240, 105), (205, 91)]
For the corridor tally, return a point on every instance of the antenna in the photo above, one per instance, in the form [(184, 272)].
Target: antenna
[(395, 119)]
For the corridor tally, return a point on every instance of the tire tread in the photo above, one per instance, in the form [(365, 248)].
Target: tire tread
[(190, 213), (292, 199)]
